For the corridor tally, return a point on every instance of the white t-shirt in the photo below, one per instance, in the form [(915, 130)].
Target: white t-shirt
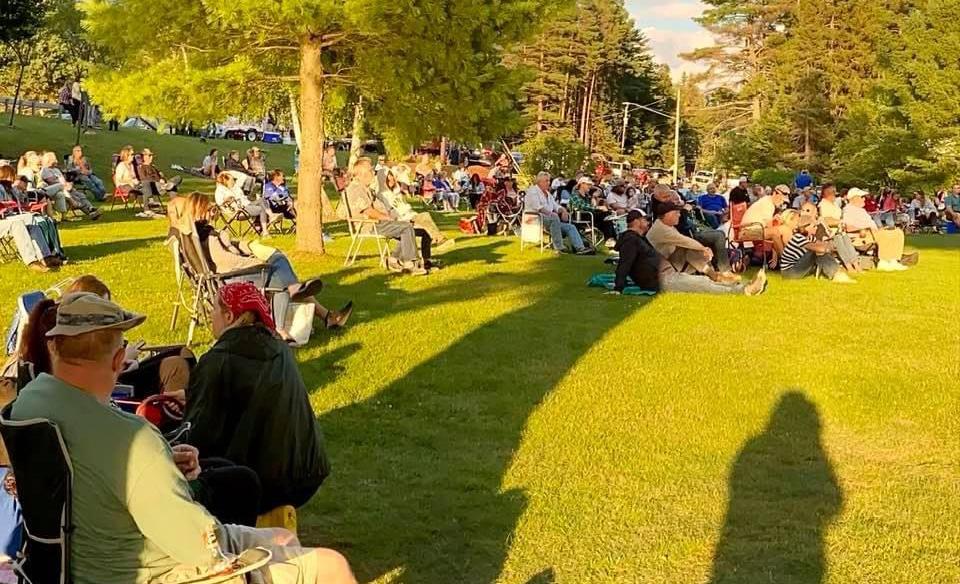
[(830, 210), (761, 211), (536, 201), (856, 218)]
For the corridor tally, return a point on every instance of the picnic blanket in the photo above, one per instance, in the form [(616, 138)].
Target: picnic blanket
[(606, 282)]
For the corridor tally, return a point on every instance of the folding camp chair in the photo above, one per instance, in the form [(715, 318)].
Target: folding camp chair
[(191, 265), (588, 231), (742, 237), (362, 229), (44, 478), (44, 473), (236, 219), (128, 198)]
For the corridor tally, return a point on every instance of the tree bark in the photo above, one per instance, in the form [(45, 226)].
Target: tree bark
[(310, 179), (23, 59), (542, 88), (563, 104)]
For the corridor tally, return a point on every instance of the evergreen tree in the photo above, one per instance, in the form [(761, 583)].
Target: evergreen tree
[(415, 63)]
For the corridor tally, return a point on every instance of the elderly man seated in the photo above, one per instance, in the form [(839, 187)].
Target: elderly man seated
[(711, 238), (865, 234), (713, 205), (362, 205), (651, 271), (684, 253), (554, 217), (136, 518)]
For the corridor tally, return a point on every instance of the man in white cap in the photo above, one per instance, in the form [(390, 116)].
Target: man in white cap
[(864, 231), (135, 518)]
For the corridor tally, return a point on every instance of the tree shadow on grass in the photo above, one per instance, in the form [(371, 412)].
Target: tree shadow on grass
[(96, 251), (783, 496), (921, 242), (416, 488)]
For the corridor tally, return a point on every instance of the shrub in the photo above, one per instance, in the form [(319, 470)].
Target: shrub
[(771, 177), (558, 153)]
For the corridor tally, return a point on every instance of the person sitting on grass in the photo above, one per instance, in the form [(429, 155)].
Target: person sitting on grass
[(228, 194), (802, 254), (127, 482), (714, 239), (210, 167), (53, 178), (639, 259), (80, 166), (226, 255), (554, 218), (684, 253), (865, 233), (277, 196), (247, 401), (361, 205)]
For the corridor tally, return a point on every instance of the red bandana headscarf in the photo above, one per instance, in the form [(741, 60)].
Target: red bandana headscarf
[(242, 297)]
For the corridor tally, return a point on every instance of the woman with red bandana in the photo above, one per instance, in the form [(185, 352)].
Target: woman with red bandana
[(247, 402)]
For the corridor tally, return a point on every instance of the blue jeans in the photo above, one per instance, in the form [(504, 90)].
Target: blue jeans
[(282, 274), (829, 266), (887, 219), (558, 230), (95, 185)]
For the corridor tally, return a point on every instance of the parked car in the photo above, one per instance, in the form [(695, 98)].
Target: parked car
[(620, 169), (703, 178)]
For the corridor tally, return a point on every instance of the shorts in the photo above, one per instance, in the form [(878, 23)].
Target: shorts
[(290, 564)]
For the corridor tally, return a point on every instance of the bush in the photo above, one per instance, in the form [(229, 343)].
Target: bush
[(771, 177), (558, 153)]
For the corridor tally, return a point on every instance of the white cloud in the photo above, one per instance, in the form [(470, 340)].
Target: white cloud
[(668, 45), (673, 10)]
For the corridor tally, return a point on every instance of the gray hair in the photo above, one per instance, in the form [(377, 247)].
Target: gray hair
[(543, 175)]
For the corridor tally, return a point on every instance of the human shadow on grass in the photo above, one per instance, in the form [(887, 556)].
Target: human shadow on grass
[(416, 490), (783, 496), (97, 251)]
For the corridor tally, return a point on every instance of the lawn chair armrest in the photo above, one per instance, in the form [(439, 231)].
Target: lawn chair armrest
[(251, 271)]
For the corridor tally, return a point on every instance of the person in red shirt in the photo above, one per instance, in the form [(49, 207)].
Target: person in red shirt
[(870, 205)]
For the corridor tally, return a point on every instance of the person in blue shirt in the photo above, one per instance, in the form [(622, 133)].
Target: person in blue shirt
[(803, 180), (278, 197), (714, 206)]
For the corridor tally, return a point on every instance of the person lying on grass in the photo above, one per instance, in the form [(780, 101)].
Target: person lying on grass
[(136, 518), (638, 258)]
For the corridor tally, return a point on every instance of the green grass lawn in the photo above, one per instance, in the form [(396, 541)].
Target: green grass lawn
[(500, 422)]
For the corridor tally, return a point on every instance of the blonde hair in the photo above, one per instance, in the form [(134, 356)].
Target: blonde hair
[(789, 215), (126, 153), (226, 179), (197, 206), (28, 160)]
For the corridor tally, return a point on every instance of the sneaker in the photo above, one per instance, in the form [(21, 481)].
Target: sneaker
[(890, 266), (843, 278), (758, 286), (586, 251), (327, 238), (610, 243), (447, 244), (729, 278), (38, 266), (95, 215)]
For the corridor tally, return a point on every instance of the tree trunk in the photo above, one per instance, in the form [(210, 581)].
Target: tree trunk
[(542, 88), (310, 179), (356, 134), (563, 104), (588, 114), (807, 150), (16, 94)]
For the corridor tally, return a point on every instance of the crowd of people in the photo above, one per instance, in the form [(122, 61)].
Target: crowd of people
[(248, 442)]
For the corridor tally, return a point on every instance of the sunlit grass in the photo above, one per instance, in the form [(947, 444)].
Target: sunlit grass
[(500, 422)]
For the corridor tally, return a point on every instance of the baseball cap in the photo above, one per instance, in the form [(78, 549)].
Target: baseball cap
[(80, 313), (664, 208), (855, 192), (585, 180), (635, 214), (782, 189)]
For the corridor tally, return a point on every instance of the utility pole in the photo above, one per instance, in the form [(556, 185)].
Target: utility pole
[(676, 141), (623, 135)]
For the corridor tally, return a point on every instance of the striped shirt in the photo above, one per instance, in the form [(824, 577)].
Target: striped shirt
[(794, 250)]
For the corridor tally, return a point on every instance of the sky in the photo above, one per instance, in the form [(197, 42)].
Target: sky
[(670, 29)]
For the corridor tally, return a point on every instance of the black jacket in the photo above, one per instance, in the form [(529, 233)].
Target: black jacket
[(639, 260), (247, 403)]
